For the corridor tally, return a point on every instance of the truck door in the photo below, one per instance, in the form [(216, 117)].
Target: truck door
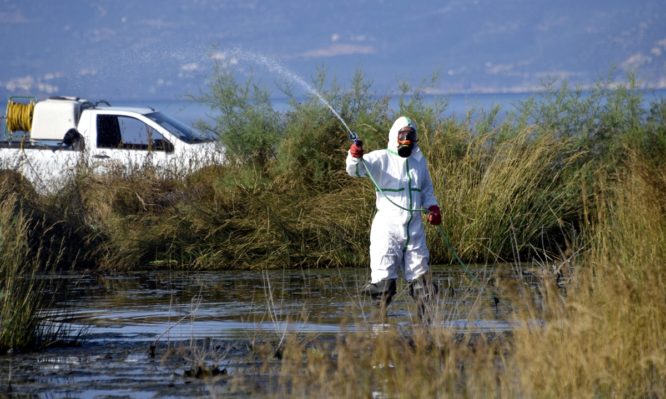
[(129, 143)]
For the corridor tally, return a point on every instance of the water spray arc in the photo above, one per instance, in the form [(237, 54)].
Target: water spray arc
[(273, 66)]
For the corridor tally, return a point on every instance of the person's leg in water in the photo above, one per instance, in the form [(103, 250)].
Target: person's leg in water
[(385, 258), (417, 272), (424, 292), (382, 294)]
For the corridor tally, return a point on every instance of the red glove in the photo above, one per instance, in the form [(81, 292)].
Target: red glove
[(434, 216), (356, 149)]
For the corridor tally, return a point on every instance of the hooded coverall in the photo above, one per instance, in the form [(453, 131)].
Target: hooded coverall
[(397, 237)]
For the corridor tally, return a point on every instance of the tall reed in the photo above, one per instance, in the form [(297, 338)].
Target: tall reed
[(24, 295), (607, 338), (505, 200), (514, 188)]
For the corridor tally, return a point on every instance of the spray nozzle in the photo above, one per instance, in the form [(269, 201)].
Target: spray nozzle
[(354, 137)]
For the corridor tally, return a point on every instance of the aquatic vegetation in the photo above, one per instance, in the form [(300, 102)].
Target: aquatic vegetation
[(515, 187), (569, 179), (574, 182), (600, 335), (24, 301)]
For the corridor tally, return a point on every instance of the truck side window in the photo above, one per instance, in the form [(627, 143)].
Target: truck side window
[(108, 132), (129, 133)]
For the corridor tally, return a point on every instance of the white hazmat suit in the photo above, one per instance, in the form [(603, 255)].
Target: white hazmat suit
[(397, 237)]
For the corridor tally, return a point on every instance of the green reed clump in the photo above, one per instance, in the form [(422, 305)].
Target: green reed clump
[(603, 121), (246, 123), (521, 186), (24, 296), (217, 217), (511, 188), (50, 229)]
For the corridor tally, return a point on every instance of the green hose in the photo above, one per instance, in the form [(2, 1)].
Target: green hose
[(374, 182)]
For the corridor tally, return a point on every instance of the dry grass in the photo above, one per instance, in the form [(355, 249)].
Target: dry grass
[(603, 337), (607, 339)]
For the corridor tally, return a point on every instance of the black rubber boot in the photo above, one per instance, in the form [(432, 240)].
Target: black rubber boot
[(381, 292), (424, 292)]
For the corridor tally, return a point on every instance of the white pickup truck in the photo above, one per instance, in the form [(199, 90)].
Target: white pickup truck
[(47, 140)]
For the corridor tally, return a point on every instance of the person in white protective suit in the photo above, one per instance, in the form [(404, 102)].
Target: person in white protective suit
[(397, 237)]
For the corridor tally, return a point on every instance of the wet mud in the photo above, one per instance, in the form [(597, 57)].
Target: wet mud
[(165, 334)]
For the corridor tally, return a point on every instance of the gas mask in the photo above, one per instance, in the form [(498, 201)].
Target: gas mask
[(406, 141)]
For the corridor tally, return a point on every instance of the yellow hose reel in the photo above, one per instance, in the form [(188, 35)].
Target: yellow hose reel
[(19, 115)]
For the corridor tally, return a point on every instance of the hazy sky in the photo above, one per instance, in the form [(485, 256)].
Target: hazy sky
[(167, 49)]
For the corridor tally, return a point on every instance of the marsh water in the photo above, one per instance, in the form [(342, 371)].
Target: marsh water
[(141, 334)]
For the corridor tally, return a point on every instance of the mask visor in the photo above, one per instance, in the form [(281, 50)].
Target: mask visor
[(406, 136)]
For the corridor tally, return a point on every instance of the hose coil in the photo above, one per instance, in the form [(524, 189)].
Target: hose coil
[(19, 116)]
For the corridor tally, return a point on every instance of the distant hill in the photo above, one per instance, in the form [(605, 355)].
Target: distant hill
[(167, 49)]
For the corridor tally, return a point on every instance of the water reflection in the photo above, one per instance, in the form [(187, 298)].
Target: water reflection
[(147, 333), (242, 304)]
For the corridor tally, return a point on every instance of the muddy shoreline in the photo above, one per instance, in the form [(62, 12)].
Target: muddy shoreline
[(217, 334), (120, 369)]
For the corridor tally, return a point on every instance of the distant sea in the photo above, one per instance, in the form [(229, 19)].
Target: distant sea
[(457, 105)]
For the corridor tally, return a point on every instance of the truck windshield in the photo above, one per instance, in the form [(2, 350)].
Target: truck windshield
[(179, 129)]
